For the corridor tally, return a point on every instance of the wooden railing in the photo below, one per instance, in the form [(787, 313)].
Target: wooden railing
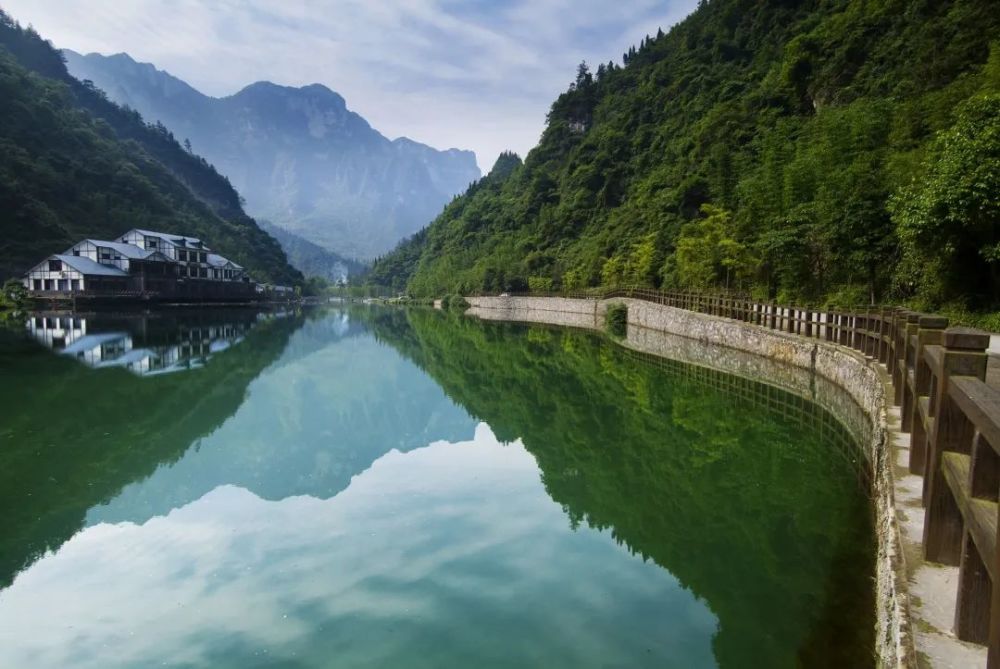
[(952, 416)]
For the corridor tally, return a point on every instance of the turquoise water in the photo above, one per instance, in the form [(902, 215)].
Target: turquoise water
[(382, 488)]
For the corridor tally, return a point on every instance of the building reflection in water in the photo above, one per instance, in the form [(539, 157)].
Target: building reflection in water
[(144, 344)]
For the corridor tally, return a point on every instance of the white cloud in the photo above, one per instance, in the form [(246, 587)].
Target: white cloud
[(477, 75), (408, 562)]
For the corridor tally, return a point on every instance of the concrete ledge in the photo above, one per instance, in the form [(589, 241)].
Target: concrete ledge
[(770, 353)]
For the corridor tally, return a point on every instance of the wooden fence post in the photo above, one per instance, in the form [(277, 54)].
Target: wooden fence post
[(885, 336), (910, 356), (930, 332), (977, 610), (964, 355), (871, 333), (890, 357), (909, 319)]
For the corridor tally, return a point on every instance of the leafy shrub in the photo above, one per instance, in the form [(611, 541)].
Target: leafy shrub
[(540, 284), (452, 301), (13, 295), (616, 319)]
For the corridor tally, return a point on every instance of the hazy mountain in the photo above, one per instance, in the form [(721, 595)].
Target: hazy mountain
[(312, 259), (299, 156)]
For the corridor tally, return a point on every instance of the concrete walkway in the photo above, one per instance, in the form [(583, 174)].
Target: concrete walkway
[(932, 587)]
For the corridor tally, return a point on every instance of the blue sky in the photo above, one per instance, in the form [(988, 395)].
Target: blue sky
[(473, 74)]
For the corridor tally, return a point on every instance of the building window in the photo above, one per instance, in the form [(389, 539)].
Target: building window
[(204, 273), (36, 284), (48, 284), (182, 255), (76, 284), (55, 265)]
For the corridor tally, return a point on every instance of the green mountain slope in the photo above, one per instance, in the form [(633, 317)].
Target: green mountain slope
[(74, 165), (843, 149)]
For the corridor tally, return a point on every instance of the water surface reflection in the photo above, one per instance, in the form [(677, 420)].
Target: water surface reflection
[(391, 488)]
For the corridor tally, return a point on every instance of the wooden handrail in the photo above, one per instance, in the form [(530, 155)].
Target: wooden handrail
[(981, 404)]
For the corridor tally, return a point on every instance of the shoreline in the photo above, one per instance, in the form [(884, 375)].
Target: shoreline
[(801, 365)]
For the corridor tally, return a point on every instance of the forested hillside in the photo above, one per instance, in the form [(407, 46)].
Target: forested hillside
[(73, 165), (846, 150)]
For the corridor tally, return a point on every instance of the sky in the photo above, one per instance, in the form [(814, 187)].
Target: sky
[(472, 74)]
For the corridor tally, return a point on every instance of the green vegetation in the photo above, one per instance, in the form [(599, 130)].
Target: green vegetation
[(800, 150), (454, 302), (616, 319), (13, 295), (75, 165), (416, 301)]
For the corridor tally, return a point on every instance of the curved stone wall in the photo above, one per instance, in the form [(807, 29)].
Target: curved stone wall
[(826, 371)]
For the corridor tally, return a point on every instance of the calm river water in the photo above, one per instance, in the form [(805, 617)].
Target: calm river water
[(390, 488)]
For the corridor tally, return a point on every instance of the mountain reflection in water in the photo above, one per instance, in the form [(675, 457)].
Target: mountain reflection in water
[(389, 487)]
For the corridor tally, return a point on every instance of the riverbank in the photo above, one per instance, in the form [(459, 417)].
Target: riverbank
[(905, 628)]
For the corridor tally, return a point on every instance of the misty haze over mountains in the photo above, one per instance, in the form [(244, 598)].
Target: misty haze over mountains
[(300, 158)]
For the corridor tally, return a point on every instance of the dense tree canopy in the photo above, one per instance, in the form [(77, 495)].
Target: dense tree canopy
[(759, 145), (949, 217)]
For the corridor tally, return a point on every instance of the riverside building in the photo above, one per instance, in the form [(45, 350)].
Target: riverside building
[(140, 264)]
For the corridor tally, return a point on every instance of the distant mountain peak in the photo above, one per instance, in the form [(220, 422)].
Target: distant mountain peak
[(316, 93), (299, 155)]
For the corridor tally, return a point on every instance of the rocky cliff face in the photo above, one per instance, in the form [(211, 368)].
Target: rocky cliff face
[(299, 156)]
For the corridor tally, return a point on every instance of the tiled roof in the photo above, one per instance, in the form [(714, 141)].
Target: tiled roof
[(215, 260), (90, 342), (127, 250), (193, 241), (88, 267)]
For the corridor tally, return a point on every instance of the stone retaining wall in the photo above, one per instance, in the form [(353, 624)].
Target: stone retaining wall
[(843, 367)]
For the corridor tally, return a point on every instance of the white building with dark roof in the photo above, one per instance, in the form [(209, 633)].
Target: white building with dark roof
[(190, 253), (141, 262), (224, 269), (132, 348), (69, 273), (117, 254)]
